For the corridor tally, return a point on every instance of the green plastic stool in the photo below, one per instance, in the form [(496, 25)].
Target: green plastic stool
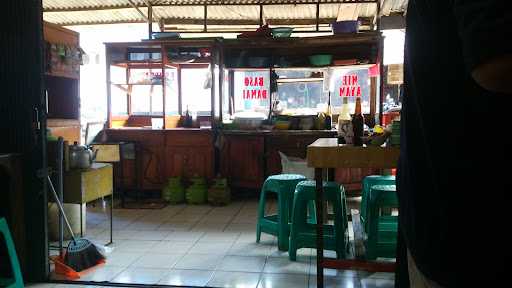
[(382, 231), (17, 281), (284, 186), (303, 233), (368, 182)]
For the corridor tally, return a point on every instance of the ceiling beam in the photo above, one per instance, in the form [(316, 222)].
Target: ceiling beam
[(247, 21), (114, 7), (145, 17)]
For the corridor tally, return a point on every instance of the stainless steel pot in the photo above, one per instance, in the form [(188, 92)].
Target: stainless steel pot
[(81, 157)]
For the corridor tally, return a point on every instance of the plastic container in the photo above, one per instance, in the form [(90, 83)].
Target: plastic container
[(294, 165), (73, 213), (320, 59), (343, 27), (282, 32)]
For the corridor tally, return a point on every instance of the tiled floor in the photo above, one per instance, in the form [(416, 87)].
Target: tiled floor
[(189, 245)]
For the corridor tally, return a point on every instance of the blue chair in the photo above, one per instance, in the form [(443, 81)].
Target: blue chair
[(382, 229), (17, 281)]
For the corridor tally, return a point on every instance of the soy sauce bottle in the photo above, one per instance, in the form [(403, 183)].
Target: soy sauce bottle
[(358, 124), (328, 115)]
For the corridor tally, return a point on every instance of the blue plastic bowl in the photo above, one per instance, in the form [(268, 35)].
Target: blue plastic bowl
[(342, 27)]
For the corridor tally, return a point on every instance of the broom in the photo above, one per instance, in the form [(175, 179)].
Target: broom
[(81, 253)]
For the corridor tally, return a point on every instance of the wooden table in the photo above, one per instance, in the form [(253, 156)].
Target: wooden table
[(326, 153)]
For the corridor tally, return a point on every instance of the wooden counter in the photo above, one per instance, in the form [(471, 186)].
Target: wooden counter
[(249, 156), (245, 157), (161, 154), (325, 133)]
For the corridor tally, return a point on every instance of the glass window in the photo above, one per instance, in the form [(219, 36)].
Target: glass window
[(117, 75), (147, 100), (171, 92), (301, 97), (119, 100), (252, 91), (350, 82), (196, 92)]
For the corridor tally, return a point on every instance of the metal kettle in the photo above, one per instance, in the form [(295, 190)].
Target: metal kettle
[(81, 157)]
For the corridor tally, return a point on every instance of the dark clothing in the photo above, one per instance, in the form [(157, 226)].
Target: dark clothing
[(451, 177)]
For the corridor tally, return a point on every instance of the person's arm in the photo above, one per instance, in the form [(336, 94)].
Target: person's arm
[(495, 75), (484, 28)]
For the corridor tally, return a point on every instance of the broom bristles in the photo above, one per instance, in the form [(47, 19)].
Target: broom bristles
[(82, 254)]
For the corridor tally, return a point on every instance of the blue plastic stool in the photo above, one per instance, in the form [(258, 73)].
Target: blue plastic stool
[(382, 229), (17, 281), (368, 182), (284, 186), (303, 232)]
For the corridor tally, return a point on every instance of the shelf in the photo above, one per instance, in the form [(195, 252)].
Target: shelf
[(247, 69), (295, 80), (135, 84), (63, 74), (303, 68), (363, 38), (142, 64)]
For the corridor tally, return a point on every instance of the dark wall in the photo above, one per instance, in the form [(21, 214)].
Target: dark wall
[(20, 96)]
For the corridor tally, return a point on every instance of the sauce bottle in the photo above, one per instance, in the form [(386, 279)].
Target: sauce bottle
[(328, 115), (345, 132), (358, 124)]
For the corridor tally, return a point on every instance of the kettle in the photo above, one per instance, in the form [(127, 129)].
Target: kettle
[(81, 157)]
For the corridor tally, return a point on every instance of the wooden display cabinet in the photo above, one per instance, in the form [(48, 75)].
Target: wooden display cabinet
[(62, 81), (144, 80), (247, 158)]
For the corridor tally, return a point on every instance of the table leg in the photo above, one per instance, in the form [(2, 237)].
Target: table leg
[(319, 229), (81, 221), (330, 174), (121, 171), (111, 216)]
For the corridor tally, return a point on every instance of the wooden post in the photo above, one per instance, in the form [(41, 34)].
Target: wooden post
[(180, 102), (318, 16), (150, 22), (205, 20)]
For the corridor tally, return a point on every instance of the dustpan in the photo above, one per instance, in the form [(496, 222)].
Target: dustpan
[(68, 272)]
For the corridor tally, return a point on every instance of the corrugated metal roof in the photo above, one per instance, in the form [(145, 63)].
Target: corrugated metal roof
[(75, 12)]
